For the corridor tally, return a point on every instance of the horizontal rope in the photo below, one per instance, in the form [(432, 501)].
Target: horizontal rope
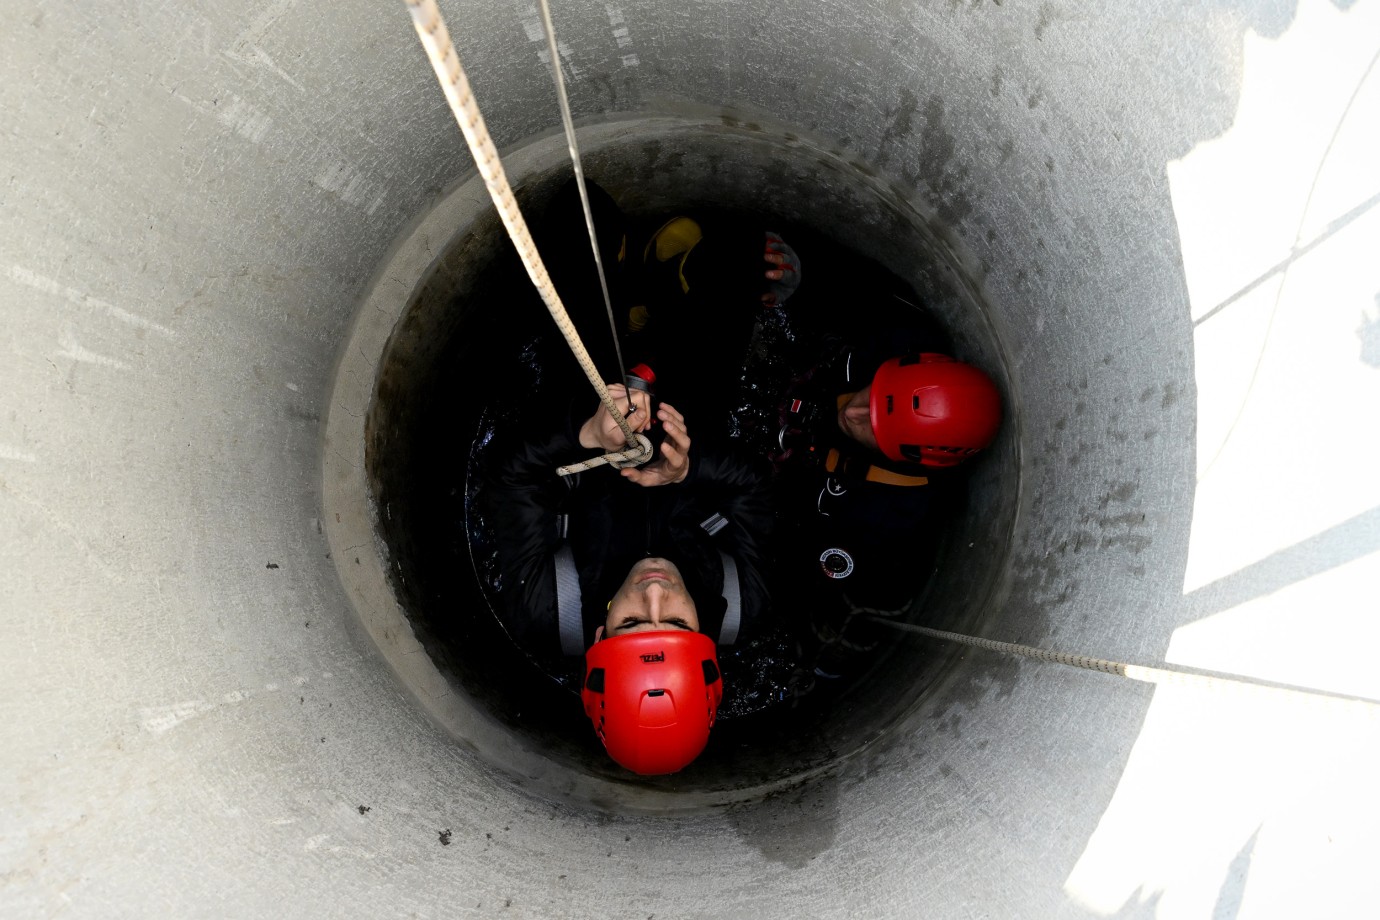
[(1160, 675)]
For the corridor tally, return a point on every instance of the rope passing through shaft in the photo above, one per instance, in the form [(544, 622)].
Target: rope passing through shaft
[(569, 123), (1162, 675), (435, 38)]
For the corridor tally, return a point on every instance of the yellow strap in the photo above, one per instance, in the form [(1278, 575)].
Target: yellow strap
[(877, 473)]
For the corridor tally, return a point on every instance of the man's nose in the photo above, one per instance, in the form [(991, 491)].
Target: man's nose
[(655, 593)]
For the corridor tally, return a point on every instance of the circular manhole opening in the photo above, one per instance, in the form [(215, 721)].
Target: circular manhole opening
[(471, 350)]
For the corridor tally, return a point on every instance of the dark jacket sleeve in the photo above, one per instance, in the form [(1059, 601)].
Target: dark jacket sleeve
[(738, 489), (523, 498)]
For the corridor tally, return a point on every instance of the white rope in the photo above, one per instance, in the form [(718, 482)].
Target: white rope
[(563, 100), (435, 38), (633, 456), (1161, 675)]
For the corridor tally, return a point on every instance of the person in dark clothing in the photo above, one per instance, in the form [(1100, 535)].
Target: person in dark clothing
[(676, 545), (562, 238), (704, 286), (685, 297), (641, 570), (861, 521), (867, 477)]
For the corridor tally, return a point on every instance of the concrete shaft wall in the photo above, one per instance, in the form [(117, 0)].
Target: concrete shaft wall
[(1168, 211)]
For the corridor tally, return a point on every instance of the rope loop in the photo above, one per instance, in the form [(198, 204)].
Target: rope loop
[(636, 455)]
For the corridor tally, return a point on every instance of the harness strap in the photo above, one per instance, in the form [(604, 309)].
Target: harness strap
[(733, 590), (835, 462), (714, 523), (733, 593), (568, 612)]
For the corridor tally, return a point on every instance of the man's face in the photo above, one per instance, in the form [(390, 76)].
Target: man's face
[(652, 597), (855, 418)]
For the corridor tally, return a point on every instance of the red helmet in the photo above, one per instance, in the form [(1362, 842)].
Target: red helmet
[(652, 697), (933, 410)]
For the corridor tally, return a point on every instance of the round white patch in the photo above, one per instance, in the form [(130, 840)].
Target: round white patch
[(836, 563)]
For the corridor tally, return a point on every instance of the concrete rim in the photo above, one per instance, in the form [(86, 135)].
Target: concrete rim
[(350, 510)]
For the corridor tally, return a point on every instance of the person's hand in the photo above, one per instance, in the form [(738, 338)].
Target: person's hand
[(600, 430), (674, 463), (785, 269)]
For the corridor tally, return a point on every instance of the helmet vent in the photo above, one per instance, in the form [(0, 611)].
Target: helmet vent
[(711, 671), (595, 681), (656, 692), (913, 450)]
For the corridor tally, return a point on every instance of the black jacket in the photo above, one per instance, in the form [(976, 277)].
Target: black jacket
[(607, 524), (857, 540)]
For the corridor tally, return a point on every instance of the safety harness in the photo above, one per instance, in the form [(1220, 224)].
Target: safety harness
[(856, 467)]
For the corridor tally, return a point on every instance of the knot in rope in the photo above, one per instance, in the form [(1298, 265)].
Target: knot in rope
[(637, 454)]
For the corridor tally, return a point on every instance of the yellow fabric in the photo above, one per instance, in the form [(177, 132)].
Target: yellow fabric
[(876, 473), (676, 237)]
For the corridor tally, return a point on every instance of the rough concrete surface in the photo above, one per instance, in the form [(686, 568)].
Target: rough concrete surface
[(1167, 215)]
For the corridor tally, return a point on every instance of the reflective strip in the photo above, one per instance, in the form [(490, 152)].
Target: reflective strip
[(733, 614), (714, 523), (877, 474), (568, 613)]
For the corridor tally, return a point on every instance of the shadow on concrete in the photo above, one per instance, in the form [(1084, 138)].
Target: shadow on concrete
[(1348, 541)]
